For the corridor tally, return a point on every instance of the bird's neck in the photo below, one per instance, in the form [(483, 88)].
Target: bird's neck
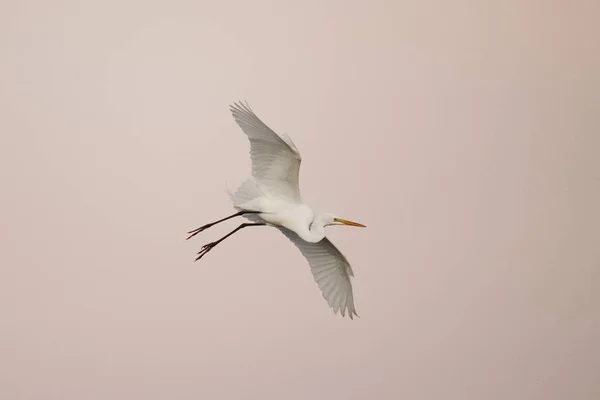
[(315, 232)]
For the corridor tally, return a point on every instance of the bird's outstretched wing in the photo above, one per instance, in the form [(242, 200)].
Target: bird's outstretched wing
[(331, 271), (275, 159)]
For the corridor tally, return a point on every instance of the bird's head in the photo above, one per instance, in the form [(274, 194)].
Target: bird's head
[(331, 219)]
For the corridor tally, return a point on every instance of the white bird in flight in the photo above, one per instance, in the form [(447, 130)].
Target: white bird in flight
[(271, 196)]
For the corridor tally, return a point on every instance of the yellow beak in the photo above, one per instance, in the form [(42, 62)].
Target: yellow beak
[(350, 223)]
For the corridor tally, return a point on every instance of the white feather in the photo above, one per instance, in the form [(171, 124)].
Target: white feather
[(275, 159), (330, 269)]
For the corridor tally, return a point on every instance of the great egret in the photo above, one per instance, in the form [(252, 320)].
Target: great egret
[(271, 196)]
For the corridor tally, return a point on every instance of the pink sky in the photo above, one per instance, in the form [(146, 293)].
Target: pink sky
[(465, 135)]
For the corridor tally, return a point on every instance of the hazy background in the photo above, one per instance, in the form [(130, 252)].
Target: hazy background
[(464, 134)]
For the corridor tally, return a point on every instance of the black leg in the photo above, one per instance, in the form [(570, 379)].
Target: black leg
[(237, 214), (208, 247)]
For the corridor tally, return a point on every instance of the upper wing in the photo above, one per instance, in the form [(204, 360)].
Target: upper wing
[(275, 159), (331, 271)]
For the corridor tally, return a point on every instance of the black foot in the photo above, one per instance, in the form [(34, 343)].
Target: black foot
[(197, 231), (205, 249)]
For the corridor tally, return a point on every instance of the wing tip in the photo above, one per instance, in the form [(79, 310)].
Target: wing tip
[(351, 311), (240, 106)]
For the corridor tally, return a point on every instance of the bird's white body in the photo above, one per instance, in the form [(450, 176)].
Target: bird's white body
[(272, 197), (296, 217)]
